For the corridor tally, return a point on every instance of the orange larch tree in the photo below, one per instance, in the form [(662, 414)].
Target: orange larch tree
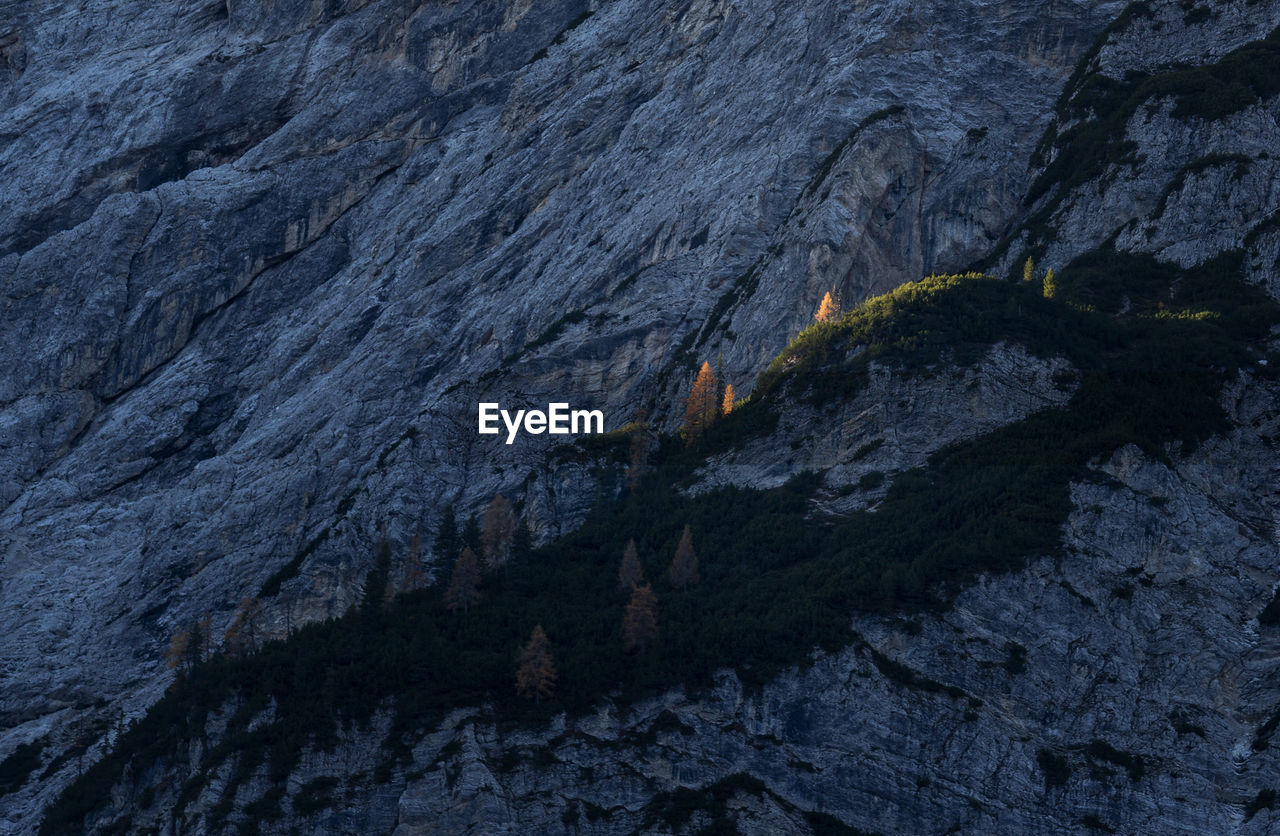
[(536, 674), (727, 406), (640, 621), (702, 407), (464, 583), (828, 309)]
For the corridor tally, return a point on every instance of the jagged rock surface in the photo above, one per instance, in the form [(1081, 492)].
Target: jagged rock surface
[(249, 250)]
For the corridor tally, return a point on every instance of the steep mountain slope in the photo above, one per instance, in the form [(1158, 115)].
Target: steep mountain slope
[(1120, 680), (259, 263)]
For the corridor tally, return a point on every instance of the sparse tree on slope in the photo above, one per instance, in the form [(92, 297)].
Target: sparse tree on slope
[(702, 407), (727, 406), (1028, 270), (640, 621), (497, 531), (630, 572), (684, 566), (828, 309), (1050, 284), (536, 674), (464, 583), (241, 637)]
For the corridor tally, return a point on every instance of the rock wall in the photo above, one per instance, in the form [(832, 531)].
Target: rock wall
[(259, 264)]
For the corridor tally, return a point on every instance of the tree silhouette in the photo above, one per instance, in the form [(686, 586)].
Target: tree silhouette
[(464, 583), (497, 531), (242, 637), (727, 406), (684, 566), (640, 621), (630, 572), (448, 541), (415, 570), (702, 407), (638, 459), (536, 675), (828, 308), (177, 652)]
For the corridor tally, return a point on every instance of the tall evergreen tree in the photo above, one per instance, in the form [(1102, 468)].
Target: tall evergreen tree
[(415, 569), (536, 674), (464, 584), (726, 407), (684, 566), (1028, 270), (640, 620), (630, 572), (1050, 284), (375, 583), (497, 531), (448, 541), (471, 538)]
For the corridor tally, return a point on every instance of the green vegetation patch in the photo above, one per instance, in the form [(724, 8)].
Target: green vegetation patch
[(1104, 107)]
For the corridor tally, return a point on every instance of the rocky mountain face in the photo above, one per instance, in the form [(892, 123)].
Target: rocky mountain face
[(260, 263)]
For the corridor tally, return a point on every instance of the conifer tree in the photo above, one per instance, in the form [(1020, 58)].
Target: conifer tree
[(701, 409), (177, 652), (640, 621), (497, 531), (415, 570), (638, 461), (1028, 270), (684, 566), (536, 674), (727, 406), (630, 572), (464, 583), (375, 583), (471, 534), (1050, 285), (448, 542), (241, 637), (521, 542), (828, 309)]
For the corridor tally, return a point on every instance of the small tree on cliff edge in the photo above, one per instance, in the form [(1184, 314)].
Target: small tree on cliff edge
[(828, 309), (703, 404), (727, 406), (536, 675)]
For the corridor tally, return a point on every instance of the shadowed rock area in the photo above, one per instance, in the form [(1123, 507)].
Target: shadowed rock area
[(259, 262)]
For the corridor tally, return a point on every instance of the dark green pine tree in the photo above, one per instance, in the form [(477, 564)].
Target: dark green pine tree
[(448, 543), (521, 543), (471, 537), (375, 583)]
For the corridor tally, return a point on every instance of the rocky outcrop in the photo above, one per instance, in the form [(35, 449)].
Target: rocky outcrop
[(261, 264), (893, 424)]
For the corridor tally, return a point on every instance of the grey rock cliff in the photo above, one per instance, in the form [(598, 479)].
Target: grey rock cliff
[(260, 263)]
